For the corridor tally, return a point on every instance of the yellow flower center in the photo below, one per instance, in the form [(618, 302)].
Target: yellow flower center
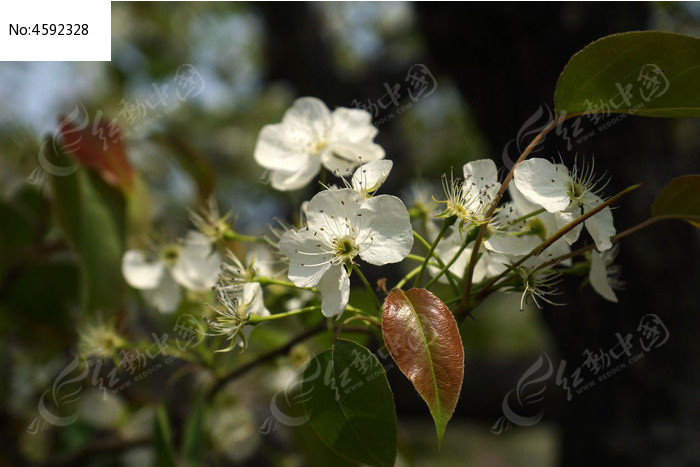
[(318, 146), (170, 254), (576, 190), (345, 248)]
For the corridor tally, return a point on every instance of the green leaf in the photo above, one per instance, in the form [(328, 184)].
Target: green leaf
[(91, 213), (680, 199), (423, 339), (45, 320), (350, 405), (315, 453), (163, 440), (593, 78), (16, 234), (193, 444)]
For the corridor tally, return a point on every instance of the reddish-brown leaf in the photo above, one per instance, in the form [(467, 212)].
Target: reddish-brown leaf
[(100, 147), (423, 338)]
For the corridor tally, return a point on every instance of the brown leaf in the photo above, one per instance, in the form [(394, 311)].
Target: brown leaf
[(99, 147), (423, 339)]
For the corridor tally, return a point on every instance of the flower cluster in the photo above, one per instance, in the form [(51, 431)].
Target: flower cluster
[(524, 243)]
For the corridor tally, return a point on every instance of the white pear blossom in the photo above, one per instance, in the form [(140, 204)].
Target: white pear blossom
[(471, 198), (566, 194), (236, 305), (509, 239), (370, 176), (341, 225), (238, 298), (515, 234), (604, 275), (310, 136), (194, 265), (537, 284)]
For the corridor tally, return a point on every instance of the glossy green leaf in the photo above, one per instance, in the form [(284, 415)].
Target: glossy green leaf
[(647, 73), (680, 199), (423, 339), (315, 453), (350, 405), (91, 214)]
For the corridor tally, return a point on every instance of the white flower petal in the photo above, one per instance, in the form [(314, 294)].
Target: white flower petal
[(369, 177), (335, 291), (556, 249), (166, 297), (550, 223), (198, 264), (285, 180), (512, 244), (599, 277), (357, 152), (601, 228), (521, 204), (263, 261), (352, 125), (253, 300), (139, 272), (386, 235), (566, 217), (483, 175), (490, 265), (308, 259), (542, 183), (334, 212), (337, 165), (446, 249), (309, 112), (283, 147)]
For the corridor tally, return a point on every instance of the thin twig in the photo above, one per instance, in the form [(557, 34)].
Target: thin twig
[(445, 225), (439, 260), (368, 287), (267, 356), (591, 246)]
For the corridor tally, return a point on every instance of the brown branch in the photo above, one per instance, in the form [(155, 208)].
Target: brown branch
[(589, 247)]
